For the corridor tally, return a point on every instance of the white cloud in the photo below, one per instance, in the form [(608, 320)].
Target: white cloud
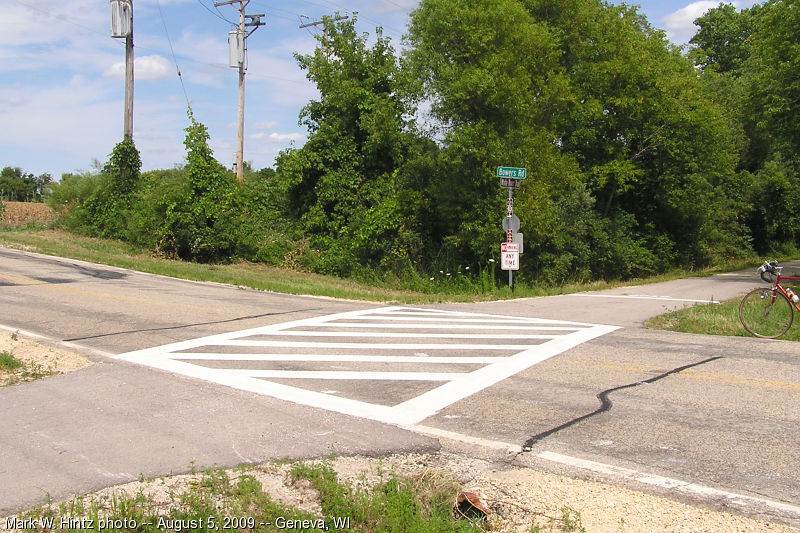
[(265, 125), (391, 6), (62, 120), (153, 67), (680, 24), (279, 138), (280, 78), (42, 21)]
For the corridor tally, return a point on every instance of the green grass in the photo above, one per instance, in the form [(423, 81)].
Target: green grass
[(476, 284), (9, 363), (219, 501), (14, 371), (460, 286), (713, 319)]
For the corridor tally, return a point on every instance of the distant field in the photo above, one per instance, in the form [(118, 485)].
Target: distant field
[(20, 213)]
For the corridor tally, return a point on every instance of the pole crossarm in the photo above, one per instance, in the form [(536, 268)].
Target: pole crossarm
[(317, 23), (229, 2), (255, 22)]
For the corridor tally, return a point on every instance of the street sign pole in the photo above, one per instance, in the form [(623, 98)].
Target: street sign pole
[(511, 178), (510, 212)]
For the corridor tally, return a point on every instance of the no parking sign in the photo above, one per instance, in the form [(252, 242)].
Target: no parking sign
[(509, 256)]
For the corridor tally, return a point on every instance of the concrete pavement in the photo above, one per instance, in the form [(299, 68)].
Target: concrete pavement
[(112, 422)]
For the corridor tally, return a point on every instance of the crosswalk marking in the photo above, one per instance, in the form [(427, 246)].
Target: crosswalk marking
[(319, 358), (302, 352), (370, 346), (384, 335)]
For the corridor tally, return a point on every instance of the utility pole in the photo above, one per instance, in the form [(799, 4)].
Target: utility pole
[(238, 48), (322, 23), (122, 27), (128, 122)]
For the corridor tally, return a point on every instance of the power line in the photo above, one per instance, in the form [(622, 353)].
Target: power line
[(172, 50), (217, 14), (63, 18)]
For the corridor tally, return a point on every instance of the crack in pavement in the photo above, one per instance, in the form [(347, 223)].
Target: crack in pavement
[(605, 402)]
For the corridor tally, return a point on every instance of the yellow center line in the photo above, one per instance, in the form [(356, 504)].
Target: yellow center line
[(19, 280), (28, 282)]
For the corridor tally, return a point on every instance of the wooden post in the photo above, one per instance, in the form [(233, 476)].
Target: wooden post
[(128, 119)]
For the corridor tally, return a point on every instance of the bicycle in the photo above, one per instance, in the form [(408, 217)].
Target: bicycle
[(768, 313)]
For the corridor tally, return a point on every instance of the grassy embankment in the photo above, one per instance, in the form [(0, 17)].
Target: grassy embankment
[(476, 284), (464, 286), (713, 319)]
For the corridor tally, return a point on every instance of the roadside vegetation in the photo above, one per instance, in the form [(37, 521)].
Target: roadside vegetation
[(441, 287), (235, 500), (642, 157), (14, 370), (713, 319)]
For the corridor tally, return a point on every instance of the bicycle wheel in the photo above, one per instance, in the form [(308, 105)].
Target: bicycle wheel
[(765, 315)]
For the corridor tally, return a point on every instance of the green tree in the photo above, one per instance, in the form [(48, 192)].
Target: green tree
[(491, 73), (341, 180), (766, 102), (105, 212), (774, 77), (589, 97), (123, 167), (721, 41), (19, 186), (199, 214)]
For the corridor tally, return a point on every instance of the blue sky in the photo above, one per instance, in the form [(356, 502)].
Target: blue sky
[(61, 75)]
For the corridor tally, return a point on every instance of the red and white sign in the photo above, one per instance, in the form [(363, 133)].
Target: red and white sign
[(509, 256)]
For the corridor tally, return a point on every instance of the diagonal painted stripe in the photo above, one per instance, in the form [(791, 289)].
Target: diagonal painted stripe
[(418, 409), (446, 320)]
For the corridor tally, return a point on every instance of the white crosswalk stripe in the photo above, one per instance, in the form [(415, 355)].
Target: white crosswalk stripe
[(449, 355)]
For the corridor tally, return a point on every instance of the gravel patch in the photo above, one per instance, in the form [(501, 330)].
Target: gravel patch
[(38, 360)]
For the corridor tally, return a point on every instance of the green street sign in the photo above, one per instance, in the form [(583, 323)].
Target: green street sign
[(512, 172)]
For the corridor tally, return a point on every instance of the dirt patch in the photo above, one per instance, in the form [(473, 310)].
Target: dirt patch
[(21, 213), (35, 360), (520, 499)]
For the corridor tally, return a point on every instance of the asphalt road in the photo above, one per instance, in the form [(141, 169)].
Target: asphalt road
[(207, 374)]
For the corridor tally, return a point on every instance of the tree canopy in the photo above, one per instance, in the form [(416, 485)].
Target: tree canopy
[(641, 156)]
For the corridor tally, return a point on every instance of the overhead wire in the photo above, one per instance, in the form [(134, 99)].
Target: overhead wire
[(328, 5), (217, 14), (66, 19), (172, 51), (183, 57)]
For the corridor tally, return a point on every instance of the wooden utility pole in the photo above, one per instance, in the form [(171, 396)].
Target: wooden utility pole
[(128, 122), (242, 35), (322, 23), (122, 27)]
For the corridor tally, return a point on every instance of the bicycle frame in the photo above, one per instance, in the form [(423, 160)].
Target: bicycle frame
[(778, 287)]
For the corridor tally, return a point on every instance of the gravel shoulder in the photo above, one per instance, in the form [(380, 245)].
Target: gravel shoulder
[(520, 498), (38, 360)]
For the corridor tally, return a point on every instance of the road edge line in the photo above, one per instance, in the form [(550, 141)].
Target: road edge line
[(66, 344), (694, 489)]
